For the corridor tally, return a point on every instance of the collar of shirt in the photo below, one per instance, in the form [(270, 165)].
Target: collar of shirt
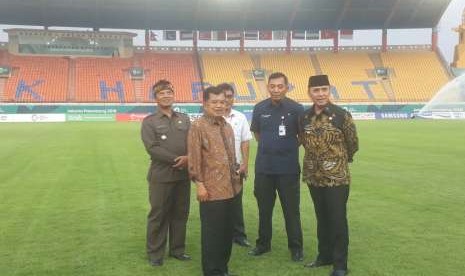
[(327, 110), (231, 114), (160, 114), (213, 120), (281, 103)]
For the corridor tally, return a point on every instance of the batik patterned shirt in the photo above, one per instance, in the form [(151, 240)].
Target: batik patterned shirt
[(211, 156), (330, 141)]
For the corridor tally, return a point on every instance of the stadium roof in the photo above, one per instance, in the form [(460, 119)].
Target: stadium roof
[(225, 14)]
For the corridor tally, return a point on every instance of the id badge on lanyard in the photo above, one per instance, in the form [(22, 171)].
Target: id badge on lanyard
[(282, 128)]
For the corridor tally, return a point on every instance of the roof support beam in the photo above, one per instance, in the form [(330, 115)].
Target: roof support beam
[(43, 12), (342, 15), (97, 13), (415, 12), (297, 4), (395, 7)]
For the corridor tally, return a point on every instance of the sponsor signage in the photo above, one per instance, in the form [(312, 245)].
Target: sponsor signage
[(131, 117), (91, 110), (90, 117), (442, 115), (32, 118), (363, 115), (393, 115)]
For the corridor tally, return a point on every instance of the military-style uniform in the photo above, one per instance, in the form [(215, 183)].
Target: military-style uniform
[(330, 142), (165, 139)]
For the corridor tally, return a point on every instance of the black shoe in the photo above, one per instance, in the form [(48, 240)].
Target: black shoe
[(317, 263), (182, 257), (241, 242), (158, 262), (338, 272), (257, 251), (297, 256)]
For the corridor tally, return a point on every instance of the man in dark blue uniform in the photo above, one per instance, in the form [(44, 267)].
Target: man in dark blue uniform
[(275, 126)]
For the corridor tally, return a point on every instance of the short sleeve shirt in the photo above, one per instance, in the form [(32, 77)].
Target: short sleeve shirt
[(278, 147), (241, 129)]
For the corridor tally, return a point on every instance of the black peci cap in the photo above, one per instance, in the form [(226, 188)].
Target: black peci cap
[(318, 80)]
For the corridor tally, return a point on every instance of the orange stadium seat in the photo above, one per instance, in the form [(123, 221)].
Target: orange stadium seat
[(111, 73), (180, 69), (37, 79)]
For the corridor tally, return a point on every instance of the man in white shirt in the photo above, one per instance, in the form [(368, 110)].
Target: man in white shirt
[(242, 136)]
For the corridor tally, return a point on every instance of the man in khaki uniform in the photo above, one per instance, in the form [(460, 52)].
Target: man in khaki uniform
[(164, 134)]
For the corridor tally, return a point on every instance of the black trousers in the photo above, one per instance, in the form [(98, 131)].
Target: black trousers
[(216, 235), (170, 202), (288, 188), (238, 217), (332, 228)]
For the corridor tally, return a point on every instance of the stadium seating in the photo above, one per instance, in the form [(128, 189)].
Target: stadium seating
[(348, 72), (108, 74), (296, 66), (37, 79), (232, 68), (414, 76), (180, 69), (418, 75)]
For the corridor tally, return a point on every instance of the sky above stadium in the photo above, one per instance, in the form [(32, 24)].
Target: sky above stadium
[(447, 37)]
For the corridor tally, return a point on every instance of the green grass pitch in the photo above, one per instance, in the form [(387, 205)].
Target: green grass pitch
[(73, 201)]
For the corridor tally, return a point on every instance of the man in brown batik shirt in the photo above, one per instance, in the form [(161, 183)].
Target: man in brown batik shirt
[(212, 166)]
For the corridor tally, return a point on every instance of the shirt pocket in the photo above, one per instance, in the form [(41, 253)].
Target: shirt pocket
[(161, 133), (266, 123), (182, 125), (161, 129)]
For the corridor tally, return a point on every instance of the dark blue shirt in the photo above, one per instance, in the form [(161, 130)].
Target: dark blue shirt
[(277, 154)]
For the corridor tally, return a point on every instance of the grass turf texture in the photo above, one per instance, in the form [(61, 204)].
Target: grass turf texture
[(73, 201)]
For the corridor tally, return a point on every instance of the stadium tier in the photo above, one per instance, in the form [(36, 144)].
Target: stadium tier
[(103, 79), (180, 69), (233, 68), (298, 67), (411, 76), (417, 75), (36, 79), (350, 74)]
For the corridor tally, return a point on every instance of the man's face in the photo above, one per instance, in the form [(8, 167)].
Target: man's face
[(277, 89), (229, 95), (319, 95), (165, 98), (215, 105)]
